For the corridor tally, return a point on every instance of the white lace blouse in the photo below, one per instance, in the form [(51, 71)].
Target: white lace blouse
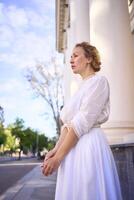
[(89, 107)]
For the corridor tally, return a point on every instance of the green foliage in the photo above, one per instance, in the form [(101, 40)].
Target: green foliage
[(51, 143), (18, 128), (11, 143), (18, 132), (28, 139), (42, 142), (2, 138), (2, 135), (1, 115)]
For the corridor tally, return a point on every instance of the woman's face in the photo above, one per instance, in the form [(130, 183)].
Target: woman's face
[(79, 61)]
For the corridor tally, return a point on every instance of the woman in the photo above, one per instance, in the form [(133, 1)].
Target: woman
[(87, 169)]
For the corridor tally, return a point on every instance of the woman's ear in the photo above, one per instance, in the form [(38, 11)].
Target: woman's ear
[(90, 60)]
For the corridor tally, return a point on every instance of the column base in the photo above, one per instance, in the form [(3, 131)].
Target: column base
[(119, 132)]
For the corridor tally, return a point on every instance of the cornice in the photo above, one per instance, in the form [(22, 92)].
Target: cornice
[(131, 12), (62, 22)]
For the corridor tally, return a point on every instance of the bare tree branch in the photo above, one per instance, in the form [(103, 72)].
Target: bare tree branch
[(46, 81)]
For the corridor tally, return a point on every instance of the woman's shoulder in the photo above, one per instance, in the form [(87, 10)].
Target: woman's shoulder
[(102, 78), (96, 81), (97, 78)]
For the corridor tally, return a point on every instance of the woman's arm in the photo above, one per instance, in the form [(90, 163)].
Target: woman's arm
[(52, 152), (64, 131), (68, 143)]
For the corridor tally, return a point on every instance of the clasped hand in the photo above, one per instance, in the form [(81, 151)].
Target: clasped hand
[(50, 164)]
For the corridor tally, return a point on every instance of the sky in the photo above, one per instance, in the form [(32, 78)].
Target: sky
[(27, 35)]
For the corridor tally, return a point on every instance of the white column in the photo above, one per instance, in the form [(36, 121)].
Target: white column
[(71, 41), (77, 32), (82, 21), (110, 33)]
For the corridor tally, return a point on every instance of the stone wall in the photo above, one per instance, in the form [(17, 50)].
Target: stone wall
[(124, 158)]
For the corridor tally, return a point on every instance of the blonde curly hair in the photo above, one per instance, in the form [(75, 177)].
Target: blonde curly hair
[(91, 52)]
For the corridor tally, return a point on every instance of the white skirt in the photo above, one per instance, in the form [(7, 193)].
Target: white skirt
[(88, 172)]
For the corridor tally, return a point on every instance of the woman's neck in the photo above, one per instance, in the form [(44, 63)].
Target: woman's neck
[(87, 74)]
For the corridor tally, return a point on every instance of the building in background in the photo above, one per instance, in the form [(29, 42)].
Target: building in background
[(109, 25)]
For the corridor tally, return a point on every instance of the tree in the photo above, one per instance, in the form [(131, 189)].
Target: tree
[(43, 142), (51, 143), (46, 81), (2, 133), (1, 115), (2, 136), (18, 132), (11, 143), (28, 139)]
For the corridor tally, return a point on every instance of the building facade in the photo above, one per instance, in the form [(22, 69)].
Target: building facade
[(108, 25)]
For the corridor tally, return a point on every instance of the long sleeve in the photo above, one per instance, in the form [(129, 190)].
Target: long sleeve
[(93, 102)]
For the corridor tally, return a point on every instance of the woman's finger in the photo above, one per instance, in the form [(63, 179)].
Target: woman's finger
[(48, 170), (49, 155)]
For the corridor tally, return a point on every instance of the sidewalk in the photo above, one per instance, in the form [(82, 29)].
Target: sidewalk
[(33, 186), (7, 158)]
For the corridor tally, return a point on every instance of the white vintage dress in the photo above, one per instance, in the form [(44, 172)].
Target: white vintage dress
[(88, 171)]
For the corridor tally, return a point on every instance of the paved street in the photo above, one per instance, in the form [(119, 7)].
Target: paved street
[(33, 186), (24, 180), (12, 171)]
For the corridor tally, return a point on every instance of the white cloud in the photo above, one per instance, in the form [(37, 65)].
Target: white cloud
[(44, 6), (27, 49), (36, 20), (8, 103), (26, 37), (11, 85), (6, 36), (18, 95), (10, 58), (24, 44), (24, 18), (31, 111), (2, 18), (16, 17)]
